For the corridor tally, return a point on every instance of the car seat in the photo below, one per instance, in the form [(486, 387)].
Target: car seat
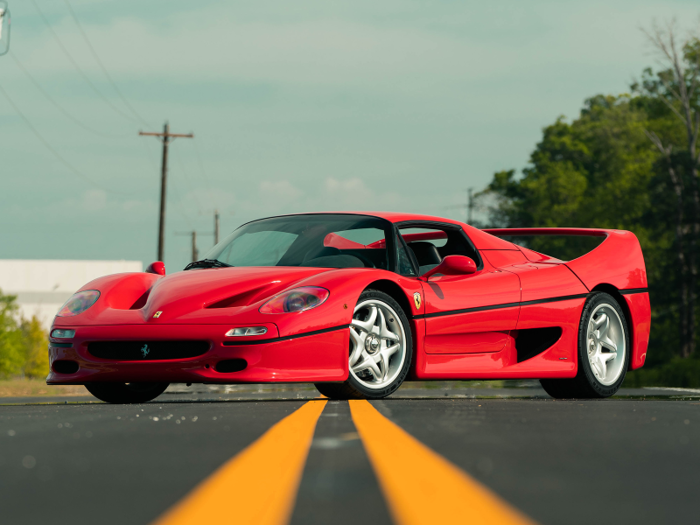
[(426, 254)]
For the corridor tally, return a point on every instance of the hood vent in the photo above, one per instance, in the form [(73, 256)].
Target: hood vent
[(141, 301), (243, 299)]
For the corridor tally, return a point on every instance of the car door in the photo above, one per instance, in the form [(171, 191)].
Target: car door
[(468, 314)]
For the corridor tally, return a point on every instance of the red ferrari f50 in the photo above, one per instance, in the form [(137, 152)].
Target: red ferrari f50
[(358, 302)]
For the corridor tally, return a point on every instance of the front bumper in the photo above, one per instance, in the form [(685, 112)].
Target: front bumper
[(313, 357)]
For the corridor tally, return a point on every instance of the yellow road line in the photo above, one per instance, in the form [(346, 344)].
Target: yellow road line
[(421, 486), (260, 484)]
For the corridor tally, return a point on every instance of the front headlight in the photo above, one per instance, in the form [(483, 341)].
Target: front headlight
[(77, 304), (297, 300)]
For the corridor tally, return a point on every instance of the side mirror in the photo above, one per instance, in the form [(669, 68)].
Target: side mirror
[(157, 267), (4, 28), (453, 265)]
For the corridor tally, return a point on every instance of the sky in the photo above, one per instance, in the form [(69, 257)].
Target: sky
[(312, 105)]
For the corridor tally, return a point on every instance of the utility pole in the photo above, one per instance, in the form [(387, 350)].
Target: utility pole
[(195, 252), (216, 227), (193, 235), (166, 138), (470, 205)]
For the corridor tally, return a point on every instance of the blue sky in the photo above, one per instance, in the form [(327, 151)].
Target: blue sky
[(296, 106)]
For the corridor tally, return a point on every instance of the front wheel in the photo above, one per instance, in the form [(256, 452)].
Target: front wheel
[(126, 393), (380, 351), (603, 352)]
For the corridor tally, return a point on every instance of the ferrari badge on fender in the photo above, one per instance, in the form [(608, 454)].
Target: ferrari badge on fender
[(417, 300), (157, 314)]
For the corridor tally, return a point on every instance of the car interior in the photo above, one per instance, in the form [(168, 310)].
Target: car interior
[(430, 246), (331, 257)]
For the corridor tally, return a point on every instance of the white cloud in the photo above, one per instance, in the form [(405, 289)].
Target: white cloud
[(354, 194), (282, 190), (94, 200), (355, 186)]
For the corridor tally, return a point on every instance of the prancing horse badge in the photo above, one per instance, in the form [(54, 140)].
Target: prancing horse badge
[(157, 314), (417, 300)]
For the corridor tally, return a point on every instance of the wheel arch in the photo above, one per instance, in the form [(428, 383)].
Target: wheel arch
[(615, 293), (395, 291)]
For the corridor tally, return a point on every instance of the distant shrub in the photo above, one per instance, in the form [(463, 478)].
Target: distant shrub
[(684, 373), (23, 343), (12, 354), (36, 354)]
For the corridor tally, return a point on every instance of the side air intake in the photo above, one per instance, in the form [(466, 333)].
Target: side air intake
[(533, 341)]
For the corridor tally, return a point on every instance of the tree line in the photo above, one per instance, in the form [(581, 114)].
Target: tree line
[(23, 343), (629, 161)]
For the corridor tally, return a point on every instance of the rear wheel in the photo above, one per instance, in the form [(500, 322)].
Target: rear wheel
[(380, 351), (126, 393), (603, 352)]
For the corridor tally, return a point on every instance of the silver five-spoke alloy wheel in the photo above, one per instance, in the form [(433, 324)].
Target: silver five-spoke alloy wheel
[(605, 344), (377, 344)]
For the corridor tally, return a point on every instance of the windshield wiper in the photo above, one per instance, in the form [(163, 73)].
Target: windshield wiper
[(207, 263)]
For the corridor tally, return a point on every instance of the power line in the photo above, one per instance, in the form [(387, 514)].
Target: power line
[(204, 172), (58, 106), (103, 68), (469, 205), (48, 146), (182, 206), (77, 67), (185, 176)]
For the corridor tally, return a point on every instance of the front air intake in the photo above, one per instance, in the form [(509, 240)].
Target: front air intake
[(230, 365), (147, 350), (64, 366)]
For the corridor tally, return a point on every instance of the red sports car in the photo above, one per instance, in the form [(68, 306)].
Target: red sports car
[(358, 302)]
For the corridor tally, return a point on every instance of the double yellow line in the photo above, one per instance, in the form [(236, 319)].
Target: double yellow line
[(419, 485)]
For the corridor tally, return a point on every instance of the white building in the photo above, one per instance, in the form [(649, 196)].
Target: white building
[(42, 287)]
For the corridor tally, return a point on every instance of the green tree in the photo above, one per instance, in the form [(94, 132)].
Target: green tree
[(671, 98), (35, 342), (602, 171), (593, 172), (11, 343), (630, 162)]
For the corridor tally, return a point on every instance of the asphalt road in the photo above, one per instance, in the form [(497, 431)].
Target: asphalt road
[(623, 460)]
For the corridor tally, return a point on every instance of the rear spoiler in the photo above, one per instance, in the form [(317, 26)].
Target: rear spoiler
[(617, 260), (520, 232)]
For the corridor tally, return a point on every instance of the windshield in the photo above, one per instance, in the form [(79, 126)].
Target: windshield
[(324, 241)]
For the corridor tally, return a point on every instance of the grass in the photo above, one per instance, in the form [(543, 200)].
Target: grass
[(37, 388), (682, 373)]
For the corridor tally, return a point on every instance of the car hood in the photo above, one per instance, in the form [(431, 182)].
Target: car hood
[(200, 293), (206, 296)]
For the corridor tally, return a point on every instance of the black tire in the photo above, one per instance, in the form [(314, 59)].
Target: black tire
[(585, 385), (126, 393), (354, 389)]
